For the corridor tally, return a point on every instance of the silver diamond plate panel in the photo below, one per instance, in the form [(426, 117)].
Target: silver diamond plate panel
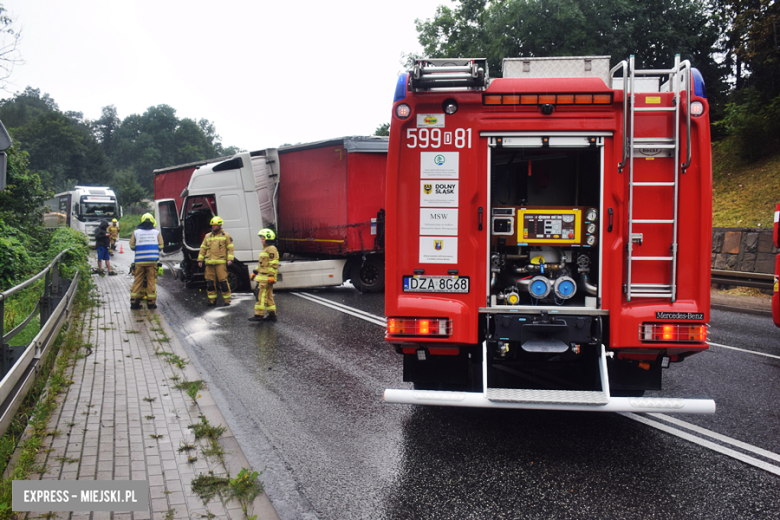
[(563, 67), (513, 395)]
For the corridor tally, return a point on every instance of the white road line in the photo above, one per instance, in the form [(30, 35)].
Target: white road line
[(742, 350), (376, 320), (728, 440), (771, 468)]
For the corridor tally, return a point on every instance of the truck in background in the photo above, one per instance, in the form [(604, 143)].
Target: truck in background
[(324, 200), (547, 232), (82, 208)]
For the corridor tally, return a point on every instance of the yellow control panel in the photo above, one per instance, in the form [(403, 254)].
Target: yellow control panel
[(549, 226)]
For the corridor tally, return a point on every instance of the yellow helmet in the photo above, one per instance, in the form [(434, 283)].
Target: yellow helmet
[(267, 234), (147, 216), (113, 220), (216, 220)]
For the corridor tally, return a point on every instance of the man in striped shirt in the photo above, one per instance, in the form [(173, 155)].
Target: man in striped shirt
[(147, 244)]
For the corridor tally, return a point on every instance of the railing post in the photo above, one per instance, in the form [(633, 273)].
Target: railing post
[(3, 346), (46, 299)]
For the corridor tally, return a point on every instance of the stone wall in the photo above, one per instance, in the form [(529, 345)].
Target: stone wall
[(743, 249)]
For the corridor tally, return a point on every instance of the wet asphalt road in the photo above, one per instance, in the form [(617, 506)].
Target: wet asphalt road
[(304, 399)]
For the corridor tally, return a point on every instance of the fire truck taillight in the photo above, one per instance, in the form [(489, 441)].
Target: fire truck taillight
[(403, 111), (673, 332), (548, 99), (697, 108), (419, 327)]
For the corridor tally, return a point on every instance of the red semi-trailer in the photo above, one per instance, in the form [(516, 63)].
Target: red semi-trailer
[(325, 201), (331, 200), (548, 233)]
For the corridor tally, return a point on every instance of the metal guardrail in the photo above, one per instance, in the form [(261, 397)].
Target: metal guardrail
[(743, 279), (25, 361)]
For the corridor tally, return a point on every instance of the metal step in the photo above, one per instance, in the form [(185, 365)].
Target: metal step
[(512, 395), (651, 258)]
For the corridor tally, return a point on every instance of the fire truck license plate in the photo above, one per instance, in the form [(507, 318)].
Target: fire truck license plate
[(448, 284)]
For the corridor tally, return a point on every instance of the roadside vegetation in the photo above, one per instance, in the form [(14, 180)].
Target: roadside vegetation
[(127, 225), (745, 192)]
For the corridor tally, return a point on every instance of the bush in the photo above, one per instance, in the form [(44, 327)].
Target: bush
[(74, 260), (15, 262), (127, 225)]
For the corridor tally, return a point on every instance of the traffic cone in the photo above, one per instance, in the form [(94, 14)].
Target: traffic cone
[(121, 249)]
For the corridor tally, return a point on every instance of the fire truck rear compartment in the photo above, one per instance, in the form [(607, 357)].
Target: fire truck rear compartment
[(544, 224)]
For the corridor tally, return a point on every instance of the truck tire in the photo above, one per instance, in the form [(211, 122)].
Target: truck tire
[(369, 276), (237, 278)]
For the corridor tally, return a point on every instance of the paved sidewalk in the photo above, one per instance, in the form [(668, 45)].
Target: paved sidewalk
[(123, 419), (758, 305)]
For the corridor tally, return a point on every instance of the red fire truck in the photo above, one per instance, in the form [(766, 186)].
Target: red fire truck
[(776, 292), (548, 233)]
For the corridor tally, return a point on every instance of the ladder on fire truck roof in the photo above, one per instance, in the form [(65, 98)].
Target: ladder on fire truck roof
[(450, 74), (679, 79)]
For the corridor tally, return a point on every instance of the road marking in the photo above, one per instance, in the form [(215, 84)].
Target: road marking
[(728, 440), (742, 350), (371, 318), (771, 468)]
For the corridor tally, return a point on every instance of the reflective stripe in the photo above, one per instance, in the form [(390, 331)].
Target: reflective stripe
[(214, 262), (147, 246)]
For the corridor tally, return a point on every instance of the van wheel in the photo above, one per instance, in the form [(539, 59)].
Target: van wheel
[(370, 276), (235, 278)]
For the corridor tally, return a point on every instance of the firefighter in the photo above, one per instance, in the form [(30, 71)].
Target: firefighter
[(216, 251), (265, 275), (113, 230), (147, 244)]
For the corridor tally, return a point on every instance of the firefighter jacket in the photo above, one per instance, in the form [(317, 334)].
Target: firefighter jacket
[(268, 264), (114, 231), (147, 244), (217, 248)]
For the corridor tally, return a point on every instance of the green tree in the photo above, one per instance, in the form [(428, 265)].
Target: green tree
[(383, 129), (25, 107), (652, 31), (62, 148), (127, 188), (105, 127), (22, 201), (190, 143)]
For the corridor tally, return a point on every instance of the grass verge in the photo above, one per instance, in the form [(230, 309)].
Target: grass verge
[(744, 193)]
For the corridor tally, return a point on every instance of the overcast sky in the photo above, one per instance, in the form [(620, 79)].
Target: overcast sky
[(264, 72)]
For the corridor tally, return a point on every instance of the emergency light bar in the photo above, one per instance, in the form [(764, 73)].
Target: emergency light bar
[(547, 99)]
